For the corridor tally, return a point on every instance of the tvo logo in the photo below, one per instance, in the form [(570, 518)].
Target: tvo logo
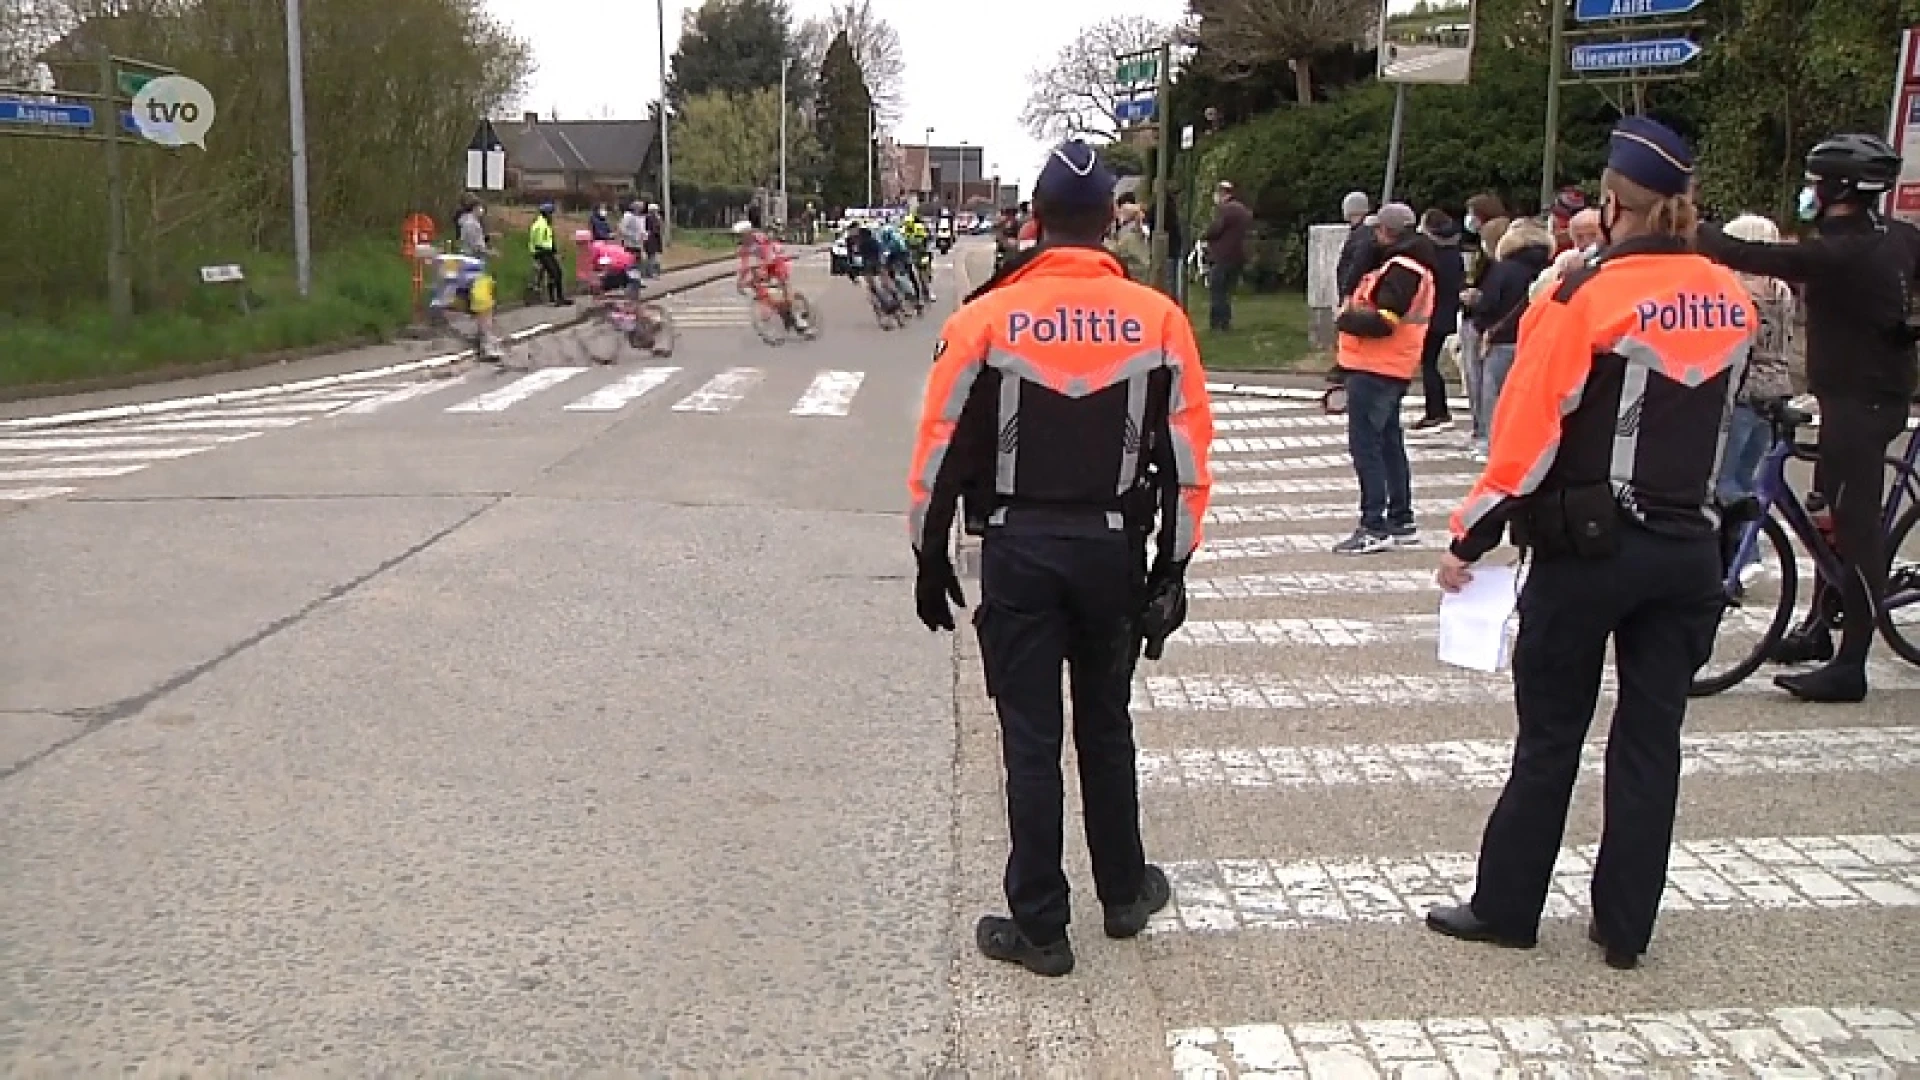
[(174, 110)]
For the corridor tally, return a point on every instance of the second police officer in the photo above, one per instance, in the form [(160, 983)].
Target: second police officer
[(1606, 442), (1858, 272), (1070, 403)]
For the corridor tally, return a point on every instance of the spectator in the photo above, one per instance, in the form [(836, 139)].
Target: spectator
[(1226, 240), (1449, 276), (597, 222), (1570, 201), (1129, 240), (1486, 224), (1356, 255), (1497, 306), (633, 234), (656, 239), (1769, 379), (1584, 229)]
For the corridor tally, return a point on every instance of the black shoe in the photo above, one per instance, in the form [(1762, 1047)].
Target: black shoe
[(1428, 423), (1459, 921), (1834, 684), (1617, 959), (1127, 920), (1000, 938), (1804, 644)]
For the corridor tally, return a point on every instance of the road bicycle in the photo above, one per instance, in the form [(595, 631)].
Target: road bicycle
[(456, 320), (641, 324), (1762, 581), (536, 291), (775, 316), (889, 308)]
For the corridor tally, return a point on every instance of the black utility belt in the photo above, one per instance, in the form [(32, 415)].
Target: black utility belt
[(1576, 522), (1077, 518)]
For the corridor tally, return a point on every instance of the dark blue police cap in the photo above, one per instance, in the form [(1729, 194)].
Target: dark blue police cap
[(1649, 154), (1074, 178)]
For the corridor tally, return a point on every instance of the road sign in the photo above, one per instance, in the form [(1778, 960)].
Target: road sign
[(486, 160), (1138, 70), (33, 112), (130, 82), (1598, 10), (1630, 55), (1134, 110), (1186, 137)]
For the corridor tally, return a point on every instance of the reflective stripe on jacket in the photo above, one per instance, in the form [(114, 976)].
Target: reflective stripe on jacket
[(1396, 356)]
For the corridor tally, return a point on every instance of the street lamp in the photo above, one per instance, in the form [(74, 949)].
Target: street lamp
[(872, 150), (929, 187)]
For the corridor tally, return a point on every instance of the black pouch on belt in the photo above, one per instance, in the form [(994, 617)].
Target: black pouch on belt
[(1592, 516)]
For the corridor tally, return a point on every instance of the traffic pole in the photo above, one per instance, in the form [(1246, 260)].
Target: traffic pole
[(297, 128), (666, 158), (1162, 168), (1556, 56)]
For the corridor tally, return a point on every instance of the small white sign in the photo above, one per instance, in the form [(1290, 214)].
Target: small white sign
[(220, 275), (486, 170), (1186, 137)]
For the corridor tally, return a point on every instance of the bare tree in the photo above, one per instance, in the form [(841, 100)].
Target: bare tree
[(876, 48), (1074, 95), (1238, 36)]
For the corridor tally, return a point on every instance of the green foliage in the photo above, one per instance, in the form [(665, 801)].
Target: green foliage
[(735, 47), (723, 138), (842, 121)]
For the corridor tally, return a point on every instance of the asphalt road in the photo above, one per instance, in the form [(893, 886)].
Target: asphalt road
[(555, 720)]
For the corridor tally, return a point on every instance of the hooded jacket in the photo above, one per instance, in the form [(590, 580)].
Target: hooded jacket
[(1525, 250)]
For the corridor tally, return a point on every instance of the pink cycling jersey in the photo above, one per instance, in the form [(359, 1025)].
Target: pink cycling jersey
[(611, 258)]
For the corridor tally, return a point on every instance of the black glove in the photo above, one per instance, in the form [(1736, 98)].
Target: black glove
[(934, 584), (1166, 607)]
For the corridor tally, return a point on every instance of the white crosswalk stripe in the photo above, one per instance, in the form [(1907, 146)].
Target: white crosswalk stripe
[(1268, 513), (628, 389), (1304, 463), (831, 394), (518, 390), (722, 392)]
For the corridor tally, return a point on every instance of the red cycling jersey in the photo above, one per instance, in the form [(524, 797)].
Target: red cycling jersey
[(761, 258)]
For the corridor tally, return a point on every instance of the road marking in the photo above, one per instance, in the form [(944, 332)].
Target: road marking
[(1484, 763), (394, 397), (1326, 461), (1259, 406), (720, 393), (1267, 692), (302, 407), (1277, 544), (85, 472), (617, 395), (89, 442), (1334, 633), (169, 453), (1743, 874), (1322, 485), (1293, 393), (1263, 444), (32, 493), (831, 394), (1269, 513), (1309, 583), (517, 391), (1264, 423), (1781, 1042), (236, 423)]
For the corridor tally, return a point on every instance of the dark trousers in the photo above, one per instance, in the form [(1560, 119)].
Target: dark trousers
[(1851, 473), (1221, 280), (1048, 600), (550, 263), (1431, 381), (1378, 446), (1659, 600)]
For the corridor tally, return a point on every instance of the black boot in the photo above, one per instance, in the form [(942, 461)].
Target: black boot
[(1836, 683), (1000, 938), (1618, 959), (1810, 641), (1127, 920)]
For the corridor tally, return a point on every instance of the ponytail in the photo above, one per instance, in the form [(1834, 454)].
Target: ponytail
[(1674, 216)]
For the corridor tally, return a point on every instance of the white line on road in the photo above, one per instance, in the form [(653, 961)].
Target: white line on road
[(1228, 408), (517, 391), (1267, 423), (1797, 1041), (1323, 485), (302, 407), (1310, 583), (1484, 763), (394, 397), (1745, 874), (1326, 461), (90, 442), (1339, 633), (1263, 444), (222, 423), (1278, 544), (32, 493), (168, 453), (617, 395), (1265, 692), (1269, 513), (831, 394), (720, 393), (85, 472)]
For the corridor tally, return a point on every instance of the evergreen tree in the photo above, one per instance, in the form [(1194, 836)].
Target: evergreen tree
[(841, 119), (735, 47)]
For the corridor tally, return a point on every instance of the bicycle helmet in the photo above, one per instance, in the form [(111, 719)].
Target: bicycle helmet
[(742, 228), (1852, 168)]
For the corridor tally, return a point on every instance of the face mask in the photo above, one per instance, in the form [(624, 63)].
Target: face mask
[(1473, 224), (1808, 207), (1607, 222)]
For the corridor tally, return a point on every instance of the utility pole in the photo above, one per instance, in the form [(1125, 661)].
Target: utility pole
[(1393, 141), (785, 62), (872, 149), (1162, 162), (297, 127), (119, 280), (1556, 57), (666, 158)]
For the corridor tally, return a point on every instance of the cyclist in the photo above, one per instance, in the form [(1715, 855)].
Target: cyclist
[(764, 266), (1858, 271), (465, 277), (915, 233), (614, 264), (895, 255), (868, 263)]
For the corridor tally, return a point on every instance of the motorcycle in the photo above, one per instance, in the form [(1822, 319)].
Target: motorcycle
[(943, 235)]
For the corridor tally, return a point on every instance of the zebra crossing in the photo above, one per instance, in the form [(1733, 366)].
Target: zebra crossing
[(1302, 704)]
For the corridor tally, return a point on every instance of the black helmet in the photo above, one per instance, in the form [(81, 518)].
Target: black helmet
[(1858, 167)]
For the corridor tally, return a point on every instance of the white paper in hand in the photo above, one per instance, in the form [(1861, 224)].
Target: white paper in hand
[(1473, 621)]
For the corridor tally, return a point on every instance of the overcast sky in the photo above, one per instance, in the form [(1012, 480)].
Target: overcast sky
[(966, 62)]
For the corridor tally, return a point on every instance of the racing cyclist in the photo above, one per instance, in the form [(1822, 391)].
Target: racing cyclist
[(895, 253), (466, 277), (764, 265), (917, 237)]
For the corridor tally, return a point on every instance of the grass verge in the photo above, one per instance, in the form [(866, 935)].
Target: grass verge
[(1269, 334), (360, 292)]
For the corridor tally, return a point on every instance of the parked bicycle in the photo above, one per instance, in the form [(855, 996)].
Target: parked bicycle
[(1763, 570)]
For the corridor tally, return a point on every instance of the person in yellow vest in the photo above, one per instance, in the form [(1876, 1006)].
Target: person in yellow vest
[(1383, 327), (546, 255)]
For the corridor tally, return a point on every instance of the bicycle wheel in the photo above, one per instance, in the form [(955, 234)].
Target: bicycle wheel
[(1757, 614), (665, 335), (1900, 619), (767, 322), (805, 322)]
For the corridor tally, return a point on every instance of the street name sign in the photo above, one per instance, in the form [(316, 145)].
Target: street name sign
[(41, 115), (1600, 10), (1633, 55)]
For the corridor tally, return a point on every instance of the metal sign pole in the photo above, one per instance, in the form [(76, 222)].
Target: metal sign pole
[(297, 125), (1162, 169), (1556, 57), (119, 281), (1393, 141), (666, 157)]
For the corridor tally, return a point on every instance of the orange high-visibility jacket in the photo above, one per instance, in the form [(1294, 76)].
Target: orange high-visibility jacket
[(1396, 356), (1055, 390), (1625, 375)]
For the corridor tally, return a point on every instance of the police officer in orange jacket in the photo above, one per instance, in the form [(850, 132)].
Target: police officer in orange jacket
[(1383, 331), (1073, 401), (1606, 442)]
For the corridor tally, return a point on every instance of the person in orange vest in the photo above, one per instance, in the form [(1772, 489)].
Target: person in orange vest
[(1101, 379), (1383, 329)]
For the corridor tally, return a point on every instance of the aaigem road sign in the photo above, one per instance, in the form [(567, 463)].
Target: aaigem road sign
[(1599, 10), (33, 112)]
